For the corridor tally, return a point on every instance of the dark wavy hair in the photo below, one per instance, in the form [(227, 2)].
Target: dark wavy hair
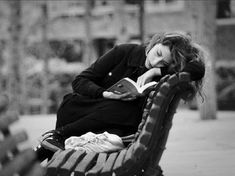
[(183, 52)]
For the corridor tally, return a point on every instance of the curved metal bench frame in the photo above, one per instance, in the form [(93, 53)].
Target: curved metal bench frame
[(142, 155)]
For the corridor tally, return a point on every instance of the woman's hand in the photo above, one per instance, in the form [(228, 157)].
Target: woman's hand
[(124, 96), (148, 76)]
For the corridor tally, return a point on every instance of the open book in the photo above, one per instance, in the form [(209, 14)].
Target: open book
[(127, 85)]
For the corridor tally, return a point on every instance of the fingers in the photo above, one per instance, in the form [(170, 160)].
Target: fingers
[(7, 119), (141, 81), (129, 98), (19, 164), (125, 96), (11, 142)]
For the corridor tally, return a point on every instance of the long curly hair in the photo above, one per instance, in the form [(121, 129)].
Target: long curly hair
[(183, 51)]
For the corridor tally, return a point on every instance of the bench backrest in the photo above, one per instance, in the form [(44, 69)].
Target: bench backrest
[(157, 120), (145, 151)]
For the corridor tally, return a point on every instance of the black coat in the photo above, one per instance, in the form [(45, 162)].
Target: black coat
[(121, 61), (125, 60)]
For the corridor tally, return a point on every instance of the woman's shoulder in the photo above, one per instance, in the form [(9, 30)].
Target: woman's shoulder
[(130, 48)]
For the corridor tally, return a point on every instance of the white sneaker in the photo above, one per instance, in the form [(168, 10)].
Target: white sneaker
[(90, 142)]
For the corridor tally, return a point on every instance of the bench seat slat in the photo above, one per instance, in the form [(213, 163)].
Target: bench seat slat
[(129, 158), (107, 169), (84, 164), (98, 166), (60, 158), (72, 161), (118, 163)]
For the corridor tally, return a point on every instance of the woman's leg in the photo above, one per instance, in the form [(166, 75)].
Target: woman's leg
[(71, 110), (89, 124)]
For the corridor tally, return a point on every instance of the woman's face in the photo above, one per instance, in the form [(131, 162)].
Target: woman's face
[(158, 56)]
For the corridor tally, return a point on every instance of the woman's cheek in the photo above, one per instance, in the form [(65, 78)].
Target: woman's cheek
[(147, 63)]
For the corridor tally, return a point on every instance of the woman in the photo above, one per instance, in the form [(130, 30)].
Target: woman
[(91, 108)]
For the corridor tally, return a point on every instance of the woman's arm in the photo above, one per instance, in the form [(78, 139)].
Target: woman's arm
[(148, 76), (88, 82)]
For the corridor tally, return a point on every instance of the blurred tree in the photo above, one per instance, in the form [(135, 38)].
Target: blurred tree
[(45, 57), (15, 40), (120, 16), (133, 1), (142, 21), (223, 9), (204, 13), (88, 38)]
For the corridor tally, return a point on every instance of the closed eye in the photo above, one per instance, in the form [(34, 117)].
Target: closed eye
[(159, 53)]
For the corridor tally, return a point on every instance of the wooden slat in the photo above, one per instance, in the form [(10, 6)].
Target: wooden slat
[(129, 157), (107, 169), (71, 162), (165, 88), (98, 166), (173, 80), (139, 150), (84, 164), (145, 113), (118, 163), (58, 161), (158, 100), (184, 77), (53, 157), (148, 103), (144, 137), (152, 94), (150, 122)]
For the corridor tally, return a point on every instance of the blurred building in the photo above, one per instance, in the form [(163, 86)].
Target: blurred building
[(116, 22), (113, 22), (74, 24)]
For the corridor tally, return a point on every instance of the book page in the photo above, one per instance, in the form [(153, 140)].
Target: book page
[(127, 85), (144, 87)]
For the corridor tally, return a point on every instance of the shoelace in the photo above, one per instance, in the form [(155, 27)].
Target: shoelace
[(82, 141), (98, 139), (47, 135), (94, 143)]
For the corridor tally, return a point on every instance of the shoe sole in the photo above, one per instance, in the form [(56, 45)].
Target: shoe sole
[(50, 146)]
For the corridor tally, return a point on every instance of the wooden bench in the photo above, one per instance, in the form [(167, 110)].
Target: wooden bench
[(12, 160), (142, 155)]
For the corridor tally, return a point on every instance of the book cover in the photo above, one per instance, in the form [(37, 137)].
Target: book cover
[(127, 85)]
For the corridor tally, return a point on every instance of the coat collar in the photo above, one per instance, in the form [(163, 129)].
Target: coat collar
[(137, 57)]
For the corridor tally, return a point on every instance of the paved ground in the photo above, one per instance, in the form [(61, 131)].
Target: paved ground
[(194, 147)]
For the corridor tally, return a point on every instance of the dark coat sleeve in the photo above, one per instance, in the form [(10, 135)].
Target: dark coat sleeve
[(87, 83)]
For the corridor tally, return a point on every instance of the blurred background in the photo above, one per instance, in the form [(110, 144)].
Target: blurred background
[(44, 44)]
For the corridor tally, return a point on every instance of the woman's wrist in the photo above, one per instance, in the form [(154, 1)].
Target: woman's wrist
[(156, 71)]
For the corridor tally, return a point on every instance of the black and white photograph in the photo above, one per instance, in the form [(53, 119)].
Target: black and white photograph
[(117, 87)]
